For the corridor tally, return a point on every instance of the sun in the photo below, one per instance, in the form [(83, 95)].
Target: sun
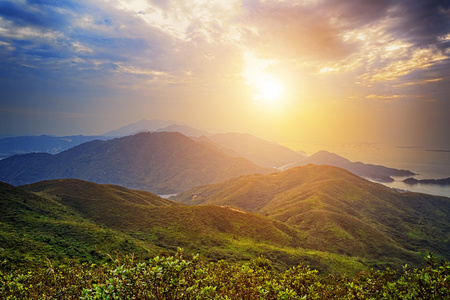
[(266, 89)]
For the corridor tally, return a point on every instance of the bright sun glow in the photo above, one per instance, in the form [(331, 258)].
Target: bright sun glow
[(268, 91)]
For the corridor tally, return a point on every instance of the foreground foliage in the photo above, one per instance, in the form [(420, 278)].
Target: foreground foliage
[(174, 277)]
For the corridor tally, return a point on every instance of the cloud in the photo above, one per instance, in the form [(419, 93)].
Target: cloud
[(422, 22), (332, 48), (417, 60)]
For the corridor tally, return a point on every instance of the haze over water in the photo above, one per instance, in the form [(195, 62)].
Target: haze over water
[(426, 162)]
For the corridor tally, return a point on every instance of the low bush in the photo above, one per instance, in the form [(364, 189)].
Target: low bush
[(174, 277)]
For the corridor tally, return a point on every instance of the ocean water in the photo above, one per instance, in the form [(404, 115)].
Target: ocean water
[(427, 163)]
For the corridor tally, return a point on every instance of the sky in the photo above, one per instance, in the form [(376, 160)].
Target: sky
[(356, 71)]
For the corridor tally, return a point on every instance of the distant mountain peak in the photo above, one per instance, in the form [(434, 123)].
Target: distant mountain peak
[(262, 152), (185, 130), (159, 162), (139, 126), (324, 155)]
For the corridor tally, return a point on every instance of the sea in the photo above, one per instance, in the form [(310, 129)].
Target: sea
[(427, 163)]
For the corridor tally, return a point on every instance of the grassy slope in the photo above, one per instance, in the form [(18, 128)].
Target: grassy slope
[(87, 220), (340, 212), (32, 228)]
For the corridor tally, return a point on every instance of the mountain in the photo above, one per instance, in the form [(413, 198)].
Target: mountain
[(140, 126), (375, 172), (259, 151), (15, 145), (204, 140), (71, 218), (44, 143), (163, 163), (340, 212), (184, 130)]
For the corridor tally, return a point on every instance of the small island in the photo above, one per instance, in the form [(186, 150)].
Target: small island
[(442, 181)]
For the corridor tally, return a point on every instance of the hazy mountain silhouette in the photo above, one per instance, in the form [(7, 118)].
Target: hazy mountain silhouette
[(184, 130), (261, 152), (375, 172), (140, 126), (43, 143), (163, 163)]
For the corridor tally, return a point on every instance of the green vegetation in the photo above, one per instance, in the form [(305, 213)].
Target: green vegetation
[(67, 218), (34, 228), (337, 211), (324, 233), (175, 277)]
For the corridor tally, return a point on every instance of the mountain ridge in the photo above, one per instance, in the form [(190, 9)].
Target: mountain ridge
[(339, 211), (159, 162), (375, 172), (261, 152)]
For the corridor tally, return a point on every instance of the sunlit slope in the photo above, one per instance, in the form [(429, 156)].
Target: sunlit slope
[(339, 211), (144, 214), (162, 163), (214, 232)]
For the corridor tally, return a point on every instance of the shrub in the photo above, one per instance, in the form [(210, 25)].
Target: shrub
[(174, 277)]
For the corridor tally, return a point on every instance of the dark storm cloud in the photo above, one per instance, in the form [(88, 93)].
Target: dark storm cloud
[(423, 22)]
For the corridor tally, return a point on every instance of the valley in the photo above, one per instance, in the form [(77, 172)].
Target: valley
[(228, 198)]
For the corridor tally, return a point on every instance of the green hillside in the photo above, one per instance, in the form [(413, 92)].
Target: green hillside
[(73, 218), (340, 212), (104, 204), (33, 228)]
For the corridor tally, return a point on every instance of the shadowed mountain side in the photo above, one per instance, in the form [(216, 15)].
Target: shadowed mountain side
[(259, 151), (101, 203), (163, 163), (72, 218), (375, 172), (340, 211)]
